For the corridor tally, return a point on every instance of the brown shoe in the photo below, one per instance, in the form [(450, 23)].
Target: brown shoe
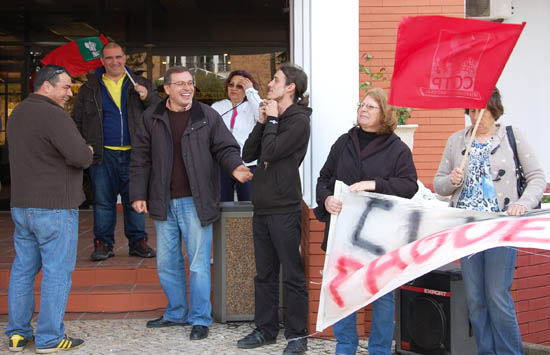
[(142, 249), (102, 251)]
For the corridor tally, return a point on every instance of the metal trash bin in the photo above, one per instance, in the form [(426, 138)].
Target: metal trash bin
[(234, 264)]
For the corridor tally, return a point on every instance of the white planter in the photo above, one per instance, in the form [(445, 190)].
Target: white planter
[(406, 133)]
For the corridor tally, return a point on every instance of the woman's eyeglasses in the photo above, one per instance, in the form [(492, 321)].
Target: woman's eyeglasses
[(369, 107), (235, 85)]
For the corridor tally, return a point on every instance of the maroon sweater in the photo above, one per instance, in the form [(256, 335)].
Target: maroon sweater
[(47, 156)]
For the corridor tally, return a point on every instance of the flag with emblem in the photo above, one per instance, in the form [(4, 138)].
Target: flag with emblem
[(447, 62), (78, 57)]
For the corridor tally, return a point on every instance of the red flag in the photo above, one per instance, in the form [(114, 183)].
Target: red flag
[(447, 62), (78, 57)]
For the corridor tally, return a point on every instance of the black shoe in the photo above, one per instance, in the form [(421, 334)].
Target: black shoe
[(65, 344), (254, 340), (161, 323), (142, 249), (102, 251), (198, 332), (298, 346), (18, 342)]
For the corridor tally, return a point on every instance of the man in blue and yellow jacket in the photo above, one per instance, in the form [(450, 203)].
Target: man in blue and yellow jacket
[(107, 110)]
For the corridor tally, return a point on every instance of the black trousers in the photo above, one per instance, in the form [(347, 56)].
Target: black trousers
[(276, 242)]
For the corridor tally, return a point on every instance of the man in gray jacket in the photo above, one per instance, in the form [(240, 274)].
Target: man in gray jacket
[(47, 156), (174, 176)]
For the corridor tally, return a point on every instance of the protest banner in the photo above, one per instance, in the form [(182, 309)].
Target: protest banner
[(380, 242)]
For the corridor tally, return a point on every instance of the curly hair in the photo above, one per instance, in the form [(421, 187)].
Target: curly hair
[(388, 118)]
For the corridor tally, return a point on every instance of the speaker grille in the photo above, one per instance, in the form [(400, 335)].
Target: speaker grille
[(427, 323)]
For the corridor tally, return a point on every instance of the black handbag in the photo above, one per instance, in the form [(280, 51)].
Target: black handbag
[(520, 175)]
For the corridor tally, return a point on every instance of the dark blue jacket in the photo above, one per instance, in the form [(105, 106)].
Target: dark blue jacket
[(115, 120), (93, 113)]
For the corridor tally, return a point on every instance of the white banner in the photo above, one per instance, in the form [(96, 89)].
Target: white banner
[(379, 242)]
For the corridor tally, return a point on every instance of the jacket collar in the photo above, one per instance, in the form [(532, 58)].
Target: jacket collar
[(40, 97), (94, 78), (161, 113), (293, 109), (498, 137), (379, 143)]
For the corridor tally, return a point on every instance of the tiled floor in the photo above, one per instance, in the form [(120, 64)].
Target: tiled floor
[(85, 243)]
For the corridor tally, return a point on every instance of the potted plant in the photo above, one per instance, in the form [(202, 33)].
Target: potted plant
[(404, 131)]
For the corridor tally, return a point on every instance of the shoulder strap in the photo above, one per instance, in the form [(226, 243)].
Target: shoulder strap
[(512, 141)]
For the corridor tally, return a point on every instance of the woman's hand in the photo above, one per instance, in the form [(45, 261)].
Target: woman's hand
[(368, 185), (333, 205), (516, 209), (245, 83), (457, 176)]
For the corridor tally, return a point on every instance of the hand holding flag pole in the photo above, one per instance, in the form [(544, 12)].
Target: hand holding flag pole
[(474, 131), (140, 89)]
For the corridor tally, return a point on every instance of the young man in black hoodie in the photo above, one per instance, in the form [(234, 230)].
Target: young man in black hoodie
[(279, 142)]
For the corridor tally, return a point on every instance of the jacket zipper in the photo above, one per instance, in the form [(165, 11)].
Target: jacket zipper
[(121, 128), (121, 120)]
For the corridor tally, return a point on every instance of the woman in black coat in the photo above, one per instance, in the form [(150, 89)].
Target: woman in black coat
[(369, 157)]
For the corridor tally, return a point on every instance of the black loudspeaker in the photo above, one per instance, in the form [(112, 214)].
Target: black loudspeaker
[(432, 315)]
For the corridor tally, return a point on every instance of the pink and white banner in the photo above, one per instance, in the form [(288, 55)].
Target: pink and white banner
[(379, 242)]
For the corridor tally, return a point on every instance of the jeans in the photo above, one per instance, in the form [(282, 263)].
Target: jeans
[(228, 186), (183, 221), (381, 331), (43, 239), (277, 242), (110, 178), (488, 277)]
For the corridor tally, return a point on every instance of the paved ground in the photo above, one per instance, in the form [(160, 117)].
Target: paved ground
[(130, 336)]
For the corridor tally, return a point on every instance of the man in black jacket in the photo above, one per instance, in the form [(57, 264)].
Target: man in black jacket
[(106, 111), (279, 142), (175, 178)]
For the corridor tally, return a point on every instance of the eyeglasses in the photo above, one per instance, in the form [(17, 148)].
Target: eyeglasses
[(56, 72), (235, 85), (369, 107), (181, 84)]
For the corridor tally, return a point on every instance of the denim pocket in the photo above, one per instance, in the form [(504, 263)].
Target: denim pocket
[(45, 223)]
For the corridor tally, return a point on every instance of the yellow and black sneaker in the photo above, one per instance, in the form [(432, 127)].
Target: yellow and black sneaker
[(66, 344), (18, 342)]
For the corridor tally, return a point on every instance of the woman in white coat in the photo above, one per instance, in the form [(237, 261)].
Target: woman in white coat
[(240, 112)]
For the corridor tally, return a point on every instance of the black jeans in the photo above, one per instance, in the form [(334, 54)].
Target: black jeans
[(277, 241)]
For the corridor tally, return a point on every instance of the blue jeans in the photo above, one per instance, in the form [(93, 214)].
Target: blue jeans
[(488, 277), (182, 221), (381, 331), (110, 178), (43, 239)]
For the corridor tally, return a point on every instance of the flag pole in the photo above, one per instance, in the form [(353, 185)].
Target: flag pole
[(474, 131), (129, 76)]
